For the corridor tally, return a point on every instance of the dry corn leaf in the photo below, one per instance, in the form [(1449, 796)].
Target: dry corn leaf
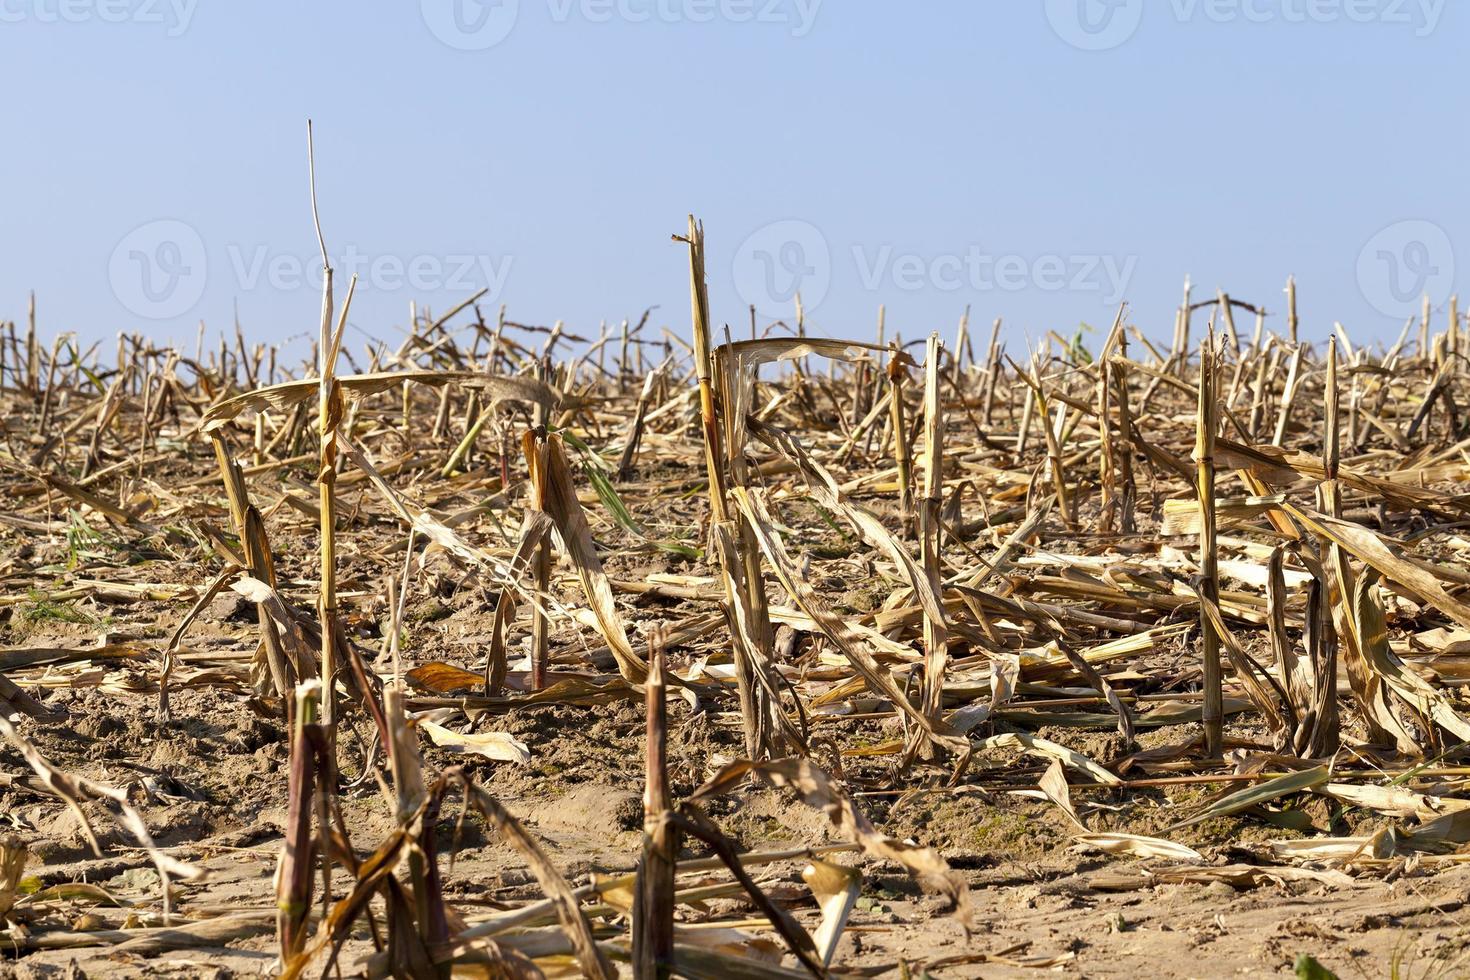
[(836, 889), (1265, 792), (1135, 845), (1033, 745), (1372, 549), (1053, 783), (442, 678), (574, 538), (496, 746), (1425, 698)]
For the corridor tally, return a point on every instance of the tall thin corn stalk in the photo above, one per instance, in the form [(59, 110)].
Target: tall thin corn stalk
[(755, 621), (1055, 433), (1108, 464), (936, 630), (732, 543), (329, 414), (534, 446), (898, 423), (653, 901), (294, 869), (1204, 457)]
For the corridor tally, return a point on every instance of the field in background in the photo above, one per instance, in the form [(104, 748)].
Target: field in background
[(760, 657)]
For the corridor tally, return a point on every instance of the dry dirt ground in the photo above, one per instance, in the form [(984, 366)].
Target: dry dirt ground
[(210, 781), (211, 784)]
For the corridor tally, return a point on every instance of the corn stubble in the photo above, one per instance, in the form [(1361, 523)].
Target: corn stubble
[(1212, 537)]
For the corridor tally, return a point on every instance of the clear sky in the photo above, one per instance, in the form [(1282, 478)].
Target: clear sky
[(1036, 159)]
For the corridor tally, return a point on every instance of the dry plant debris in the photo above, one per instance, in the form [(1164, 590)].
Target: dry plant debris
[(293, 661)]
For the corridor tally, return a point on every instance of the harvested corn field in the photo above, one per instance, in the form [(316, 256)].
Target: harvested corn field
[(506, 651)]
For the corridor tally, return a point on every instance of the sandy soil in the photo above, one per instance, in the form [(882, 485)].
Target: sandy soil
[(211, 784)]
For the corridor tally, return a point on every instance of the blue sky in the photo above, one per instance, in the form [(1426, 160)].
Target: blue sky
[(927, 156)]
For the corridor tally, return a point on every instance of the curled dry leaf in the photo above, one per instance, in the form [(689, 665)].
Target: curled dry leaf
[(1054, 784), (836, 889), (442, 678), (1135, 845), (1046, 749), (497, 746)]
